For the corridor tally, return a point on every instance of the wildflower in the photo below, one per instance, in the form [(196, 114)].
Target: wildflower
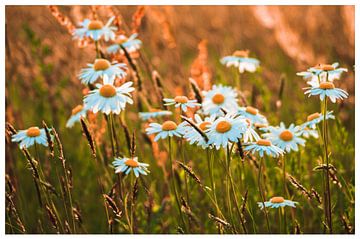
[(253, 115), (250, 133), (153, 114), (95, 29), (322, 73), (101, 68), (30, 136), (314, 119), (125, 165), (219, 97), (264, 146), (241, 60), (167, 129), (225, 129), (131, 44), (193, 136), (76, 114), (327, 89), (286, 139), (276, 202), (109, 99), (181, 101), (307, 132)]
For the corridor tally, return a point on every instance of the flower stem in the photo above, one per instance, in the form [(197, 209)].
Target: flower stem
[(262, 194)]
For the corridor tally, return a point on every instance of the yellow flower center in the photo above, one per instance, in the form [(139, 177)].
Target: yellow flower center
[(131, 163), (101, 64), (326, 67), (326, 85), (223, 127), (286, 135), (313, 116), (107, 91), (33, 132), (204, 125), (243, 53), (263, 142), (181, 99), (77, 109), (251, 110), (277, 200), (168, 125), (218, 99), (121, 40), (95, 25)]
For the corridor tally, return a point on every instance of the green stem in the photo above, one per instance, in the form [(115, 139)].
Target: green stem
[(262, 194), (284, 190)]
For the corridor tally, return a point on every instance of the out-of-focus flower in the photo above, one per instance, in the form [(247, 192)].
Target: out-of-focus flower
[(109, 99), (241, 60), (131, 44), (76, 114), (193, 136), (307, 133), (250, 134), (314, 119), (219, 97), (181, 101), (253, 115), (95, 29), (30, 136), (101, 68), (276, 202), (327, 89), (154, 114), (125, 165), (264, 146), (167, 129)]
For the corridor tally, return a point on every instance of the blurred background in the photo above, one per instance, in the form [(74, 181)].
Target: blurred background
[(43, 61)]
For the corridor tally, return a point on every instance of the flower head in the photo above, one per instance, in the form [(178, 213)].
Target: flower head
[(30, 136), (250, 134), (95, 29), (101, 68), (226, 129), (241, 60), (193, 136), (253, 115), (167, 129), (264, 146), (286, 139), (131, 44), (154, 114), (181, 101), (327, 89), (276, 202), (76, 114), (125, 165), (315, 118), (109, 99), (219, 97)]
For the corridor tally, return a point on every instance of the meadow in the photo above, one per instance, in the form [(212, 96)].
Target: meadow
[(261, 156)]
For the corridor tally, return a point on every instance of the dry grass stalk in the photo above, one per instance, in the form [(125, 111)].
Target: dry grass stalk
[(196, 128), (135, 192), (77, 215), (137, 18), (134, 67), (111, 204), (316, 195), (243, 205), (196, 89), (187, 210), (199, 70), (347, 225), (10, 207), (219, 221), (88, 136), (190, 172), (63, 20), (298, 186), (297, 229), (158, 87), (49, 139), (52, 218)]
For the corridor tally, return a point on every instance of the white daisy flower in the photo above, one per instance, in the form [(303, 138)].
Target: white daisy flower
[(101, 68), (131, 44), (125, 165), (181, 101), (307, 133), (327, 89), (287, 139), (154, 114), (225, 129), (264, 146), (95, 29), (241, 60), (167, 129), (219, 97), (313, 119), (250, 133), (193, 136), (30, 136), (276, 202), (109, 99), (253, 115), (76, 114)]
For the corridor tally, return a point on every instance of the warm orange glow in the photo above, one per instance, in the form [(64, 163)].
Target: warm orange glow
[(33, 132), (107, 91), (169, 125)]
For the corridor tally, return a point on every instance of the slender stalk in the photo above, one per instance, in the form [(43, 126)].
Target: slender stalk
[(262, 194), (228, 199), (284, 189), (97, 49)]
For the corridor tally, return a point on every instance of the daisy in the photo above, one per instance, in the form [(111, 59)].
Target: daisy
[(219, 97), (253, 115), (76, 114), (250, 133), (241, 60), (314, 119), (286, 139), (101, 68), (307, 133), (181, 101), (154, 114), (264, 146), (95, 29), (167, 129), (225, 129), (327, 89), (276, 202), (131, 44), (30, 136), (109, 99), (125, 165), (193, 136)]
